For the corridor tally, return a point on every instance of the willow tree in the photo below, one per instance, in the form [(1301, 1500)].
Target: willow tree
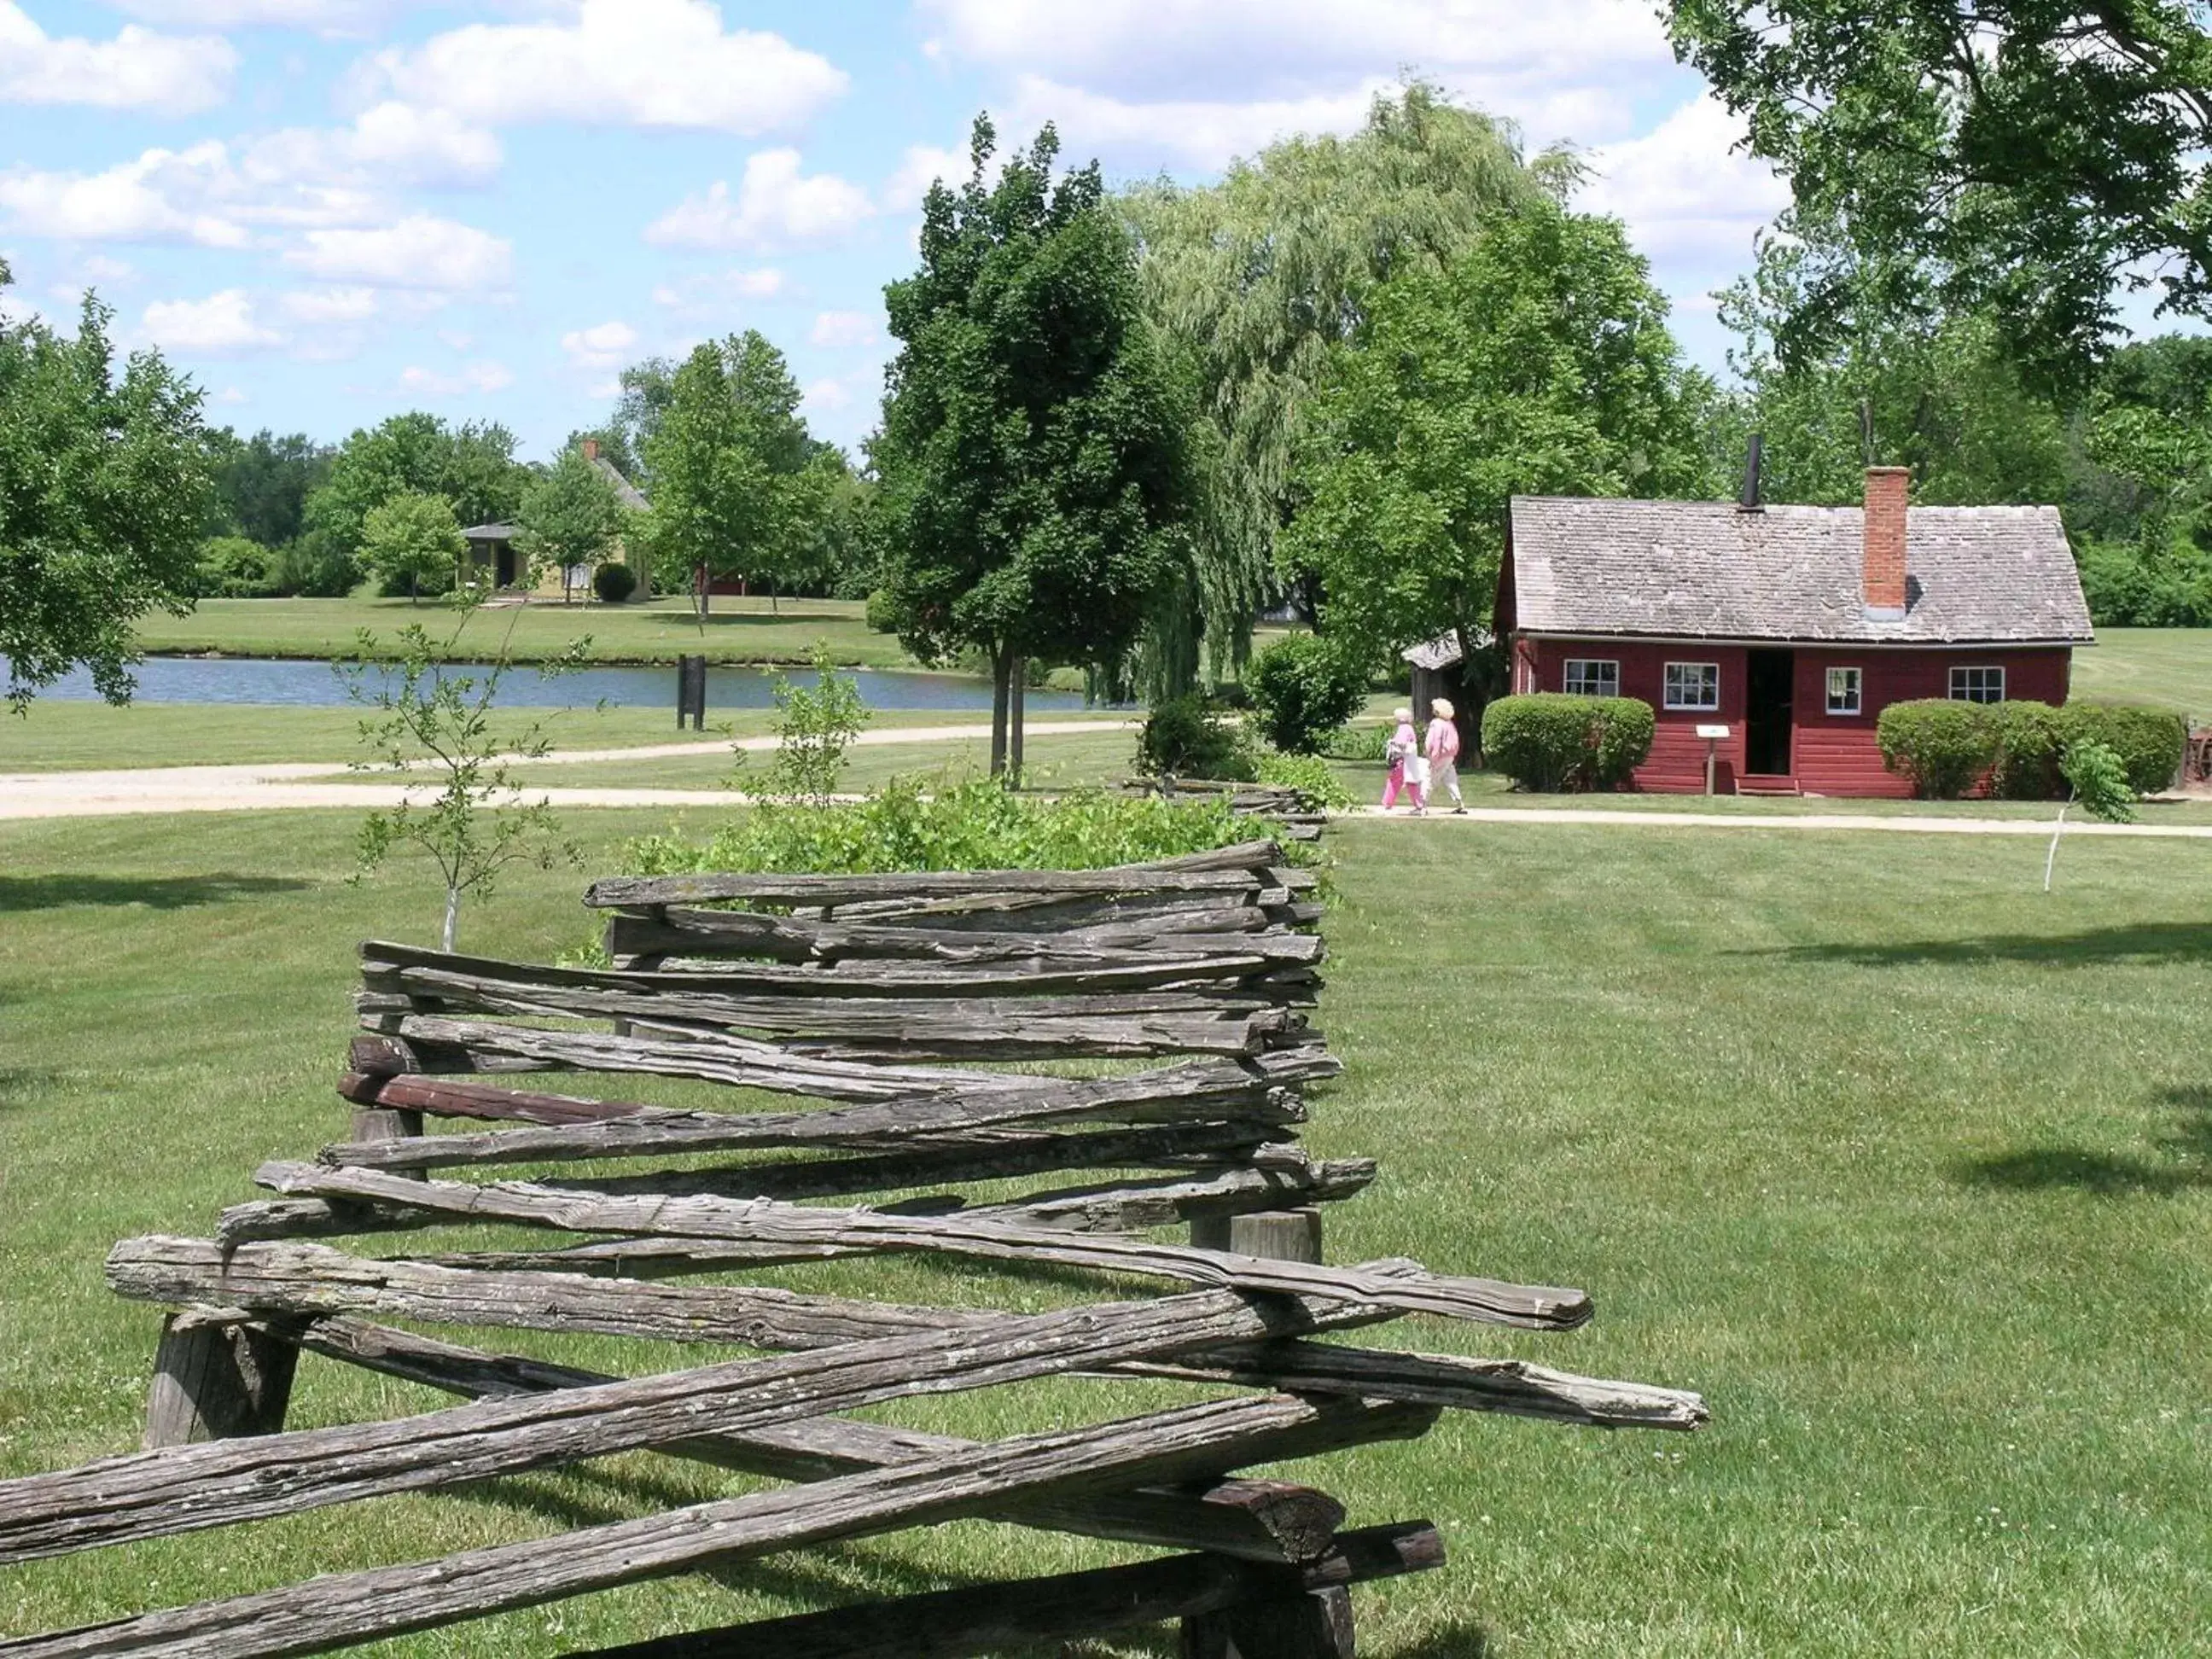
[(1256, 278)]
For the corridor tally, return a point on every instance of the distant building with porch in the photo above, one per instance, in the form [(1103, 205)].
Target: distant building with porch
[(1792, 627), (492, 552)]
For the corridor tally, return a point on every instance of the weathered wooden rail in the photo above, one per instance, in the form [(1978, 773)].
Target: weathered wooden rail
[(877, 1016)]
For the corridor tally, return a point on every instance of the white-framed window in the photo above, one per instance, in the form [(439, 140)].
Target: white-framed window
[(1592, 677), (1978, 686), (1845, 691), (1694, 685)]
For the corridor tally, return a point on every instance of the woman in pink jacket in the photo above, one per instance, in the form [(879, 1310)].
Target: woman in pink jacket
[(1443, 753), (1407, 764)]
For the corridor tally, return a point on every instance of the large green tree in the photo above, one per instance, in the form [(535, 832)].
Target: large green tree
[(412, 539), (262, 484), (1036, 482), (571, 514), (105, 493), (1936, 390), (1539, 362), (2027, 157), (472, 466), (1258, 277), (739, 488)]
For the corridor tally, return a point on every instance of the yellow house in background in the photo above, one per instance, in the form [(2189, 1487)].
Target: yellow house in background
[(492, 551)]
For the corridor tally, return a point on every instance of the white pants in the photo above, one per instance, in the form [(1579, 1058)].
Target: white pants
[(1444, 775)]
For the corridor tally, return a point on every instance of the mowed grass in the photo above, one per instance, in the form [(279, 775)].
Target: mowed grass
[(658, 630), (1905, 1166), (2171, 666), (58, 736)]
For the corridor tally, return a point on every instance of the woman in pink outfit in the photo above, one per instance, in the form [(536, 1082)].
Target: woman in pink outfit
[(1443, 753), (1404, 753)]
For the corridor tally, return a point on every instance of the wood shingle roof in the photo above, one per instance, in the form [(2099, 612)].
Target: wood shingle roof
[(1711, 570)]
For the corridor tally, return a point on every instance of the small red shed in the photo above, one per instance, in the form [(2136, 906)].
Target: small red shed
[(1793, 627)]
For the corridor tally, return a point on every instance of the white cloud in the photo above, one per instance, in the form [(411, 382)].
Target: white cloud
[(479, 378), (176, 75), (707, 294), (775, 206), (1186, 51), (617, 63), (922, 166), (607, 346), (427, 145), (330, 307), (221, 325), (418, 252), (1685, 195), (844, 328), (164, 195), (1198, 133), (229, 395)]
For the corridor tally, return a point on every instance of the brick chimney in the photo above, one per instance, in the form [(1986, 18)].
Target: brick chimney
[(1886, 490), (590, 448)]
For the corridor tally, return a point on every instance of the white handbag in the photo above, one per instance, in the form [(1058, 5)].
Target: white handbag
[(1417, 771)]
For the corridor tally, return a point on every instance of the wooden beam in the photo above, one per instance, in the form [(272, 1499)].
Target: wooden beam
[(1404, 1286), (342, 1609)]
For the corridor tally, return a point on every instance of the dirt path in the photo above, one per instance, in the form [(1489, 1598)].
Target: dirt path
[(258, 788), (1830, 821)]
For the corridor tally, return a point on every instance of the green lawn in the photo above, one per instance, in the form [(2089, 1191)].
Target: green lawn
[(1908, 1167), (2168, 665), (661, 630), (58, 736)]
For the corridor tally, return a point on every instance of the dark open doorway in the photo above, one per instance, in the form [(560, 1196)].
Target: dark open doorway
[(1769, 677), (506, 562)]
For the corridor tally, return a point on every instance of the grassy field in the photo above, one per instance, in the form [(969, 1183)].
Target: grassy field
[(54, 735), (2168, 665), (659, 630), (1908, 1167)]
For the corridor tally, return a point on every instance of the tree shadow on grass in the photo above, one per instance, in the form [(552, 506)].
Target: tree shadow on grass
[(2152, 943), (22, 893), (2183, 1163)]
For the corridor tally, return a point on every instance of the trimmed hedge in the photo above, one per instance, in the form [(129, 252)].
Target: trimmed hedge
[(2150, 742), (614, 583), (1946, 748), (1548, 740)]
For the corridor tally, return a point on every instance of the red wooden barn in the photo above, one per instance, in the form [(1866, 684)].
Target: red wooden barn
[(1792, 627)]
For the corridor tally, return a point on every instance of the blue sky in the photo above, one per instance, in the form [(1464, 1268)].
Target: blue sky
[(330, 210)]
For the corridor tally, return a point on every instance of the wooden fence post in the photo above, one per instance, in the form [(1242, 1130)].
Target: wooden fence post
[(1314, 1624), (387, 1123), (216, 1381), (1278, 1235)]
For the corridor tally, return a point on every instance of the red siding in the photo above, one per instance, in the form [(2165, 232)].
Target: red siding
[(1831, 755)]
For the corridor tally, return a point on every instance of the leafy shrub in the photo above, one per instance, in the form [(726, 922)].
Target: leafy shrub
[(882, 616), (614, 583), (1312, 776), (2028, 736), (232, 567), (2150, 742), (312, 566), (1189, 737), (2127, 588), (1356, 742), (814, 725), (975, 825), (1549, 740), (1943, 746), (1303, 688)]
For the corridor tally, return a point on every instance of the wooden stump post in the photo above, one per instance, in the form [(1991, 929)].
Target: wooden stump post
[(388, 1123), (215, 1381), (1314, 1623), (1278, 1235)]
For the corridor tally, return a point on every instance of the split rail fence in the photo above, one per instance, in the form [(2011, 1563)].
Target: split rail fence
[(893, 1011)]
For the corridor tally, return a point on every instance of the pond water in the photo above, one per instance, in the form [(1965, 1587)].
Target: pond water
[(257, 680)]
